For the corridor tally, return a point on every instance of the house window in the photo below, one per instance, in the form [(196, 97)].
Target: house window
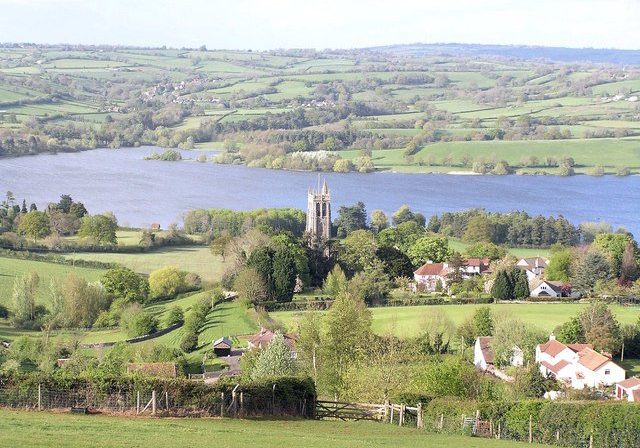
[(607, 371)]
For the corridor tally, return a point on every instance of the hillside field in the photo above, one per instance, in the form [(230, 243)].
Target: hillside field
[(408, 321), (36, 430)]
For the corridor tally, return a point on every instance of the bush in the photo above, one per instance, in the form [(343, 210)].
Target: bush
[(166, 282), (174, 316), (4, 312), (189, 342), (138, 322)]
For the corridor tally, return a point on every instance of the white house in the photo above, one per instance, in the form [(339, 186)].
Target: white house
[(533, 266), (577, 365), (547, 288), (484, 356), (430, 274), (629, 388)]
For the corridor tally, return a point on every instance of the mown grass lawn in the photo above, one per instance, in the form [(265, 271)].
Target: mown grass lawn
[(35, 430), (409, 321)]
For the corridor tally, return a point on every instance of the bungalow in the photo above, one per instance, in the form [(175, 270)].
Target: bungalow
[(484, 356), (577, 365), (533, 266), (428, 276), (629, 388), (548, 288), (264, 337), (222, 347)]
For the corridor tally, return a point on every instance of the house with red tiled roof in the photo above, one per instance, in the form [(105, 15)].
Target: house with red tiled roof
[(263, 338), (577, 365), (629, 388), (429, 275)]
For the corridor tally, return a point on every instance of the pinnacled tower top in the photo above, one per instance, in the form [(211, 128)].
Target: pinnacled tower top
[(319, 211)]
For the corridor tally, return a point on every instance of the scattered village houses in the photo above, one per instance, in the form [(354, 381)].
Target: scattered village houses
[(533, 266), (577, 365), (432, 276), (628, 389), (484, 355)]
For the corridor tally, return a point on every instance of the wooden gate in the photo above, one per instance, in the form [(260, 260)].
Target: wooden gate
[(337, 410)]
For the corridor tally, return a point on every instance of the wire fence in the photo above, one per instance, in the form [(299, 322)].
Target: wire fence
[(236, 403)]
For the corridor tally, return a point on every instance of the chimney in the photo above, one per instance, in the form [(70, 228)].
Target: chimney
[(552, 337)]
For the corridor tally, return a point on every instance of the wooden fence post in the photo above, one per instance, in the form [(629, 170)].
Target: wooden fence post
[(391, 419), (386, 410), (591, 440), (401, 419), (241, 403), (273, 399), (441, 421), (39, 397), (530, 428), (166, 400), (499, 430), (419, 422), (222, 404), (153, 402), (138, 404)]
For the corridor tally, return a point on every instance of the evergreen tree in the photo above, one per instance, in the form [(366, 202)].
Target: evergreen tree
[(24, 206), (594, 267), (520, 284), (483, 322), (261, 259), (502, 289), (33, 207), (284, 275), (571, 332)]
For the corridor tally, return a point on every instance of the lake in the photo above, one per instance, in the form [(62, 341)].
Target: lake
[(140, 192)]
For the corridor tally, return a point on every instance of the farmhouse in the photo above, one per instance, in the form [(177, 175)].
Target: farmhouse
[(577, 365), (264, 337), (431, 276), (533, 266), (629, 388), (222, 347), (484, 356)]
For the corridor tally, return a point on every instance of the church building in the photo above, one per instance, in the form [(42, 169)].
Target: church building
[(319, 213)]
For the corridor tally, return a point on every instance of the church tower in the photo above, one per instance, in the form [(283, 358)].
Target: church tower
[(319, 212)]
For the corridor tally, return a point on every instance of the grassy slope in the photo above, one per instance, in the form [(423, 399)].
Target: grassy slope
[(31, 430), (198, 259), (10, 268), (461, 246), (408, 321)]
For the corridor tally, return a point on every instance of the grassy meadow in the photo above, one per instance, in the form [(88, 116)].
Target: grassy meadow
[(408, 321), (39, 430)]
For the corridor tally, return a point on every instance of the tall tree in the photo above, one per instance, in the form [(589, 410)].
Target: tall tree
[(433, 248), (261, 259), (629, 271), (379, 220), (284, 274), (478, 229), (520, 284), (350, 219), (483, 321), (501, 288), (560, 266), (593, 267), (25, 289), (35, 225), (275, 360)]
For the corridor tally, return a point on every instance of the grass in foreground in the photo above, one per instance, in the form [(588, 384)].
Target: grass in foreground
[(31, 430), (409, 321)]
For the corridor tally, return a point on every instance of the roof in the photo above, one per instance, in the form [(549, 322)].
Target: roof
[(579, 347), (164, 369), (591, 359), (477, 262), (533, 262), (630, 383), (222, 342), (556, 286), (557, 367), (486, 349), (430, 269), (552, 347), (264, 338), (636, 394)]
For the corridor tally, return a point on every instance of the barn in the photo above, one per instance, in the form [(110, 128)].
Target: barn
[(222, 347)]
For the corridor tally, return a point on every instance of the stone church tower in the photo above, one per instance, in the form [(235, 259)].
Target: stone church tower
[(319, 213)]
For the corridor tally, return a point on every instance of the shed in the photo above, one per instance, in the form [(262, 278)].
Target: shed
[(222, 347)]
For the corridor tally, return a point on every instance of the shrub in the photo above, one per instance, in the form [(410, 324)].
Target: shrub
[(166, 281), (138, 322), (174, 316), (4, 312), (189, 342), (623, 171)]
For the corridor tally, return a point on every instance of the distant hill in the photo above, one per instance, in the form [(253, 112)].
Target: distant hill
[(560, 54)]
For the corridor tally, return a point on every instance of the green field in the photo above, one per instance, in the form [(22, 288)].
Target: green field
[(36, 430), (409, 321), (198, 259), (520, 252), (10, 268)]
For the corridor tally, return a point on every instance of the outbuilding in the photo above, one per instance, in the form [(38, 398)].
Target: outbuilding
[(222, 347)]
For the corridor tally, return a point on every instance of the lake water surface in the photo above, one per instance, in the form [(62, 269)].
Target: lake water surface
[(140, 192)]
